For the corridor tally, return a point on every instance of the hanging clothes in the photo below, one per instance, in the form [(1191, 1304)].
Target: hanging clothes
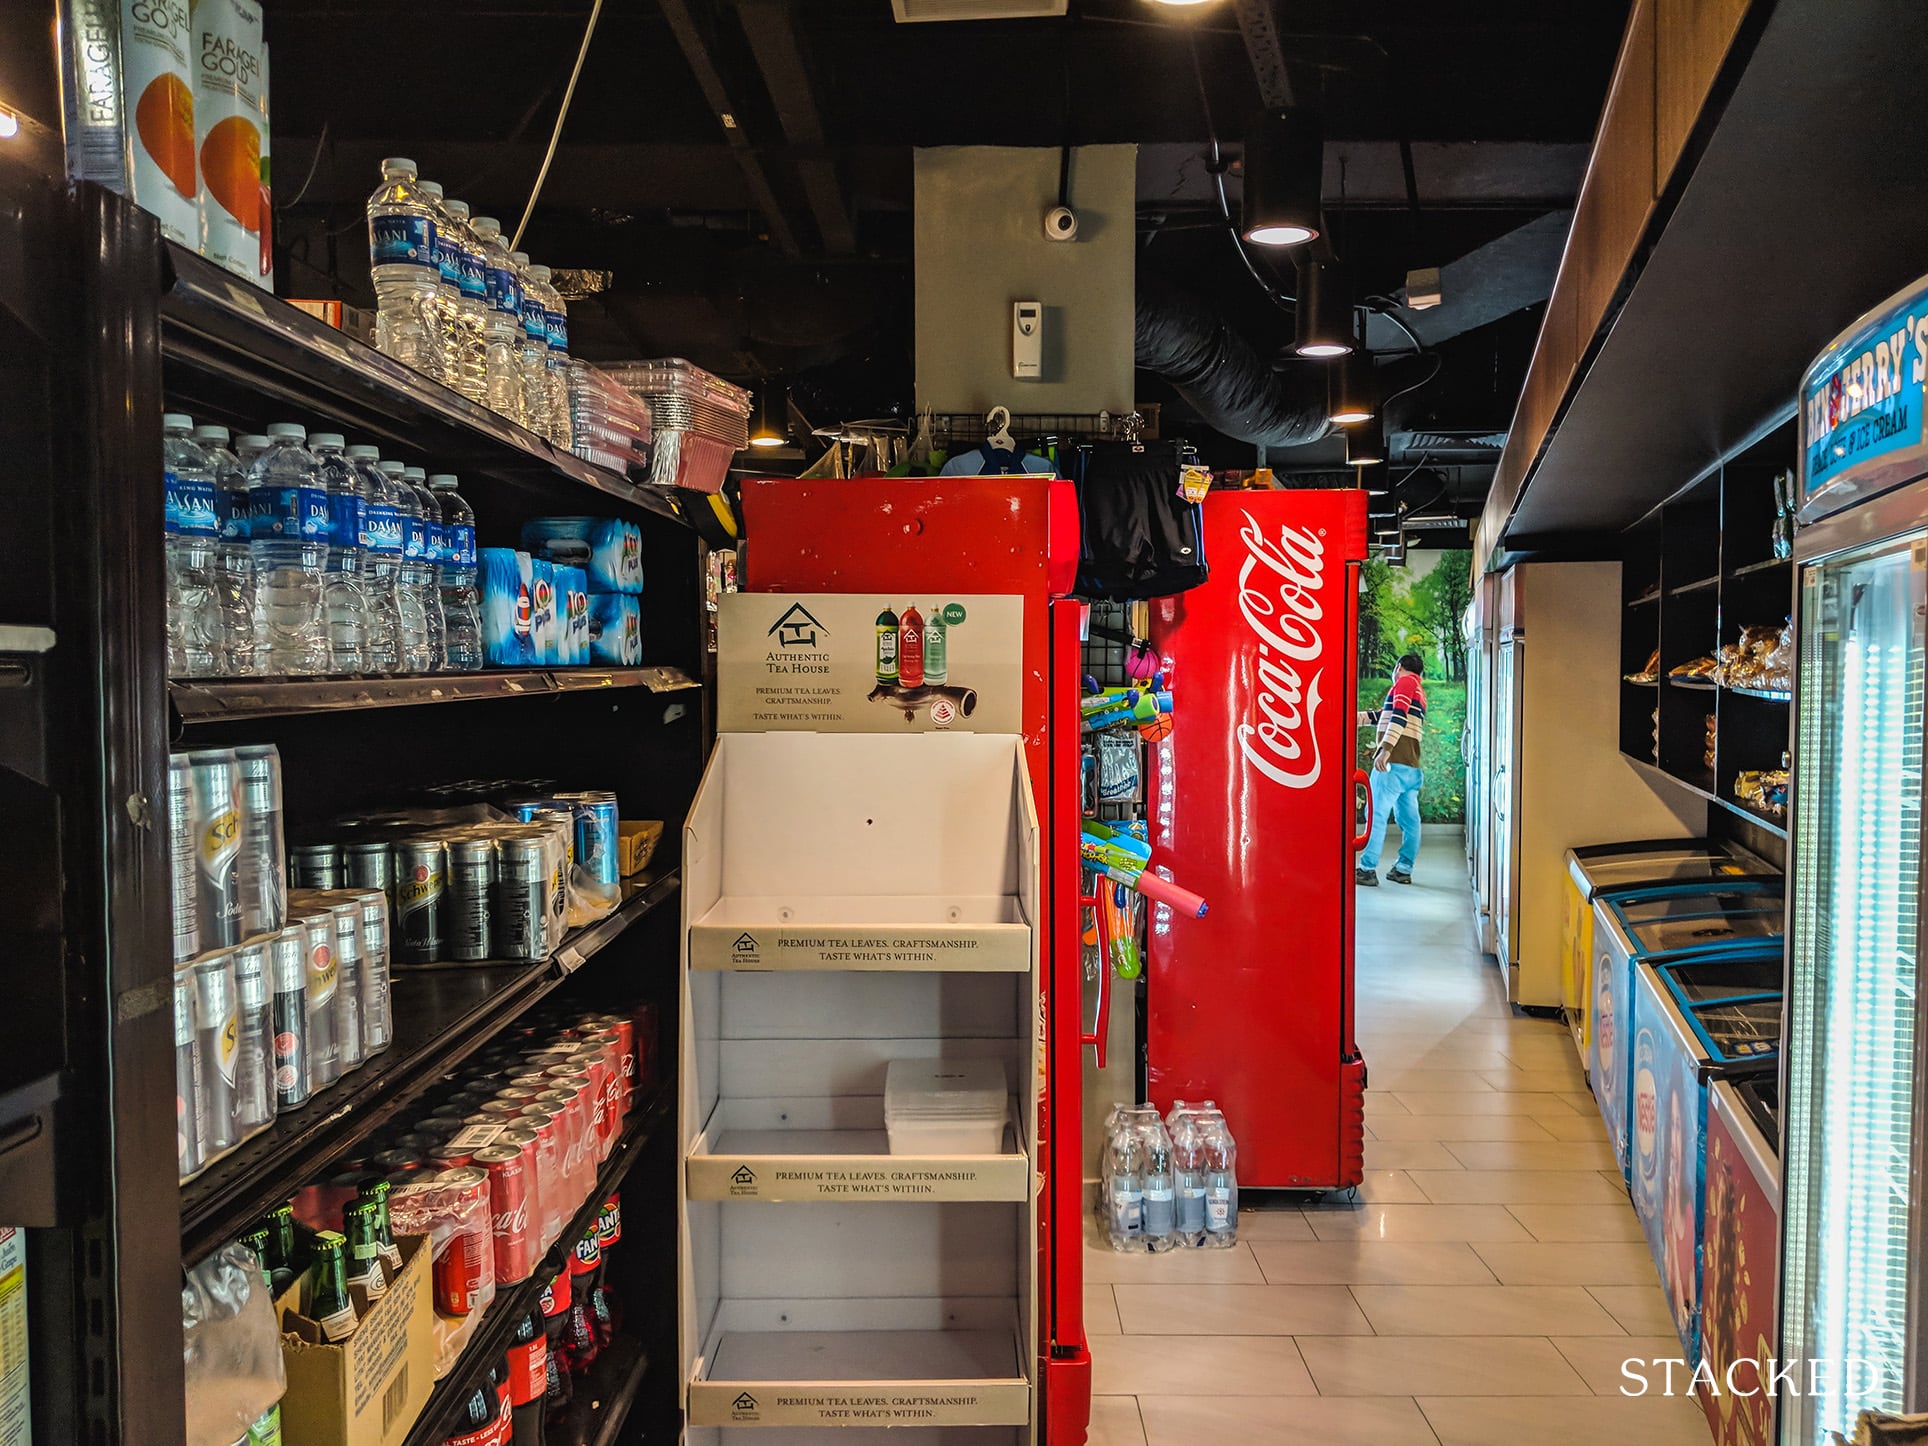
[(989, 461), (1141, 538)]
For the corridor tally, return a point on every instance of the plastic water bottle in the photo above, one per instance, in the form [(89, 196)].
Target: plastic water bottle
[(233, 563), (381, 541), (535, 351), (447, 309), (1161, 1206), (342, 598), (428, 572), (401, 249), (502, 340), (418, 632), (461, 606), (1188, 1174), (195, 645), (288, 526), (472, 305), (555, 328), (1221, 1180), (1127, 1223)]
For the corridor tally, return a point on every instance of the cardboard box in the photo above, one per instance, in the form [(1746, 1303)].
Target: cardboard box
[(636, 845), (368, 1390)]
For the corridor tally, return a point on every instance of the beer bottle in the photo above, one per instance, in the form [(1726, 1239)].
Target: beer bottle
[(364, 1248), (528, 1380), (280, 1225), (377, 1190), (328, 1303), (887, 648)]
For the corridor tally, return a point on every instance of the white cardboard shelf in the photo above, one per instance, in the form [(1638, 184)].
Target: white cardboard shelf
[(872, 1375), (849, 1160), (965, 935)]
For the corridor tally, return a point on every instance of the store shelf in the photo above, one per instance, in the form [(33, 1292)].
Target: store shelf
[(1642, 682), (1652, 595), (229, 699), (1772, 564), (949, 933), (1770, 695), (1692, 685), (222, 327), (1702, 785), (853, 1162), (877, 1374), (441, 1017), (491, 1337), (603, 1398), (1700, 585)]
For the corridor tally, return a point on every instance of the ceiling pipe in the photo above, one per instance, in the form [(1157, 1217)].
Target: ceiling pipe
[(1232, 388)]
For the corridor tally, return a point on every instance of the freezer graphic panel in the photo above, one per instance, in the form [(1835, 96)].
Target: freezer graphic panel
[(1608, 1058), (1669, 1107), (1741, 1228), (1252, 807)]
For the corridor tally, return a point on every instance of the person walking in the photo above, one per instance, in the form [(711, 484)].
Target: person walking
[(1397, 774)]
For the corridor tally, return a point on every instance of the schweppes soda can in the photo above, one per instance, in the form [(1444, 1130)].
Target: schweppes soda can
[(183, 847), (421, 895), (216, 784), (217, 1037)]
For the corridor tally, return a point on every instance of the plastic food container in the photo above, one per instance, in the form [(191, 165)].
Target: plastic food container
[(945, 1106), (700, 421)]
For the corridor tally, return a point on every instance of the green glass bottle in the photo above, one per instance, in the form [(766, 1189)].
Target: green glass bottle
[(266, 1431), (365, 1267), (377, 1190), (327, 1302), (937, 647), (887, 648), (280, 1225)]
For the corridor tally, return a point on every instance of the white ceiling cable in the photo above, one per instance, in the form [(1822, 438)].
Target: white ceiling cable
[(569, 94)]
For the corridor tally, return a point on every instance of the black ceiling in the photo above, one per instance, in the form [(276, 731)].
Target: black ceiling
[(1496, 98)]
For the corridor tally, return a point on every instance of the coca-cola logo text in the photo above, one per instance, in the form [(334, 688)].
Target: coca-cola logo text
[(1278, 596)]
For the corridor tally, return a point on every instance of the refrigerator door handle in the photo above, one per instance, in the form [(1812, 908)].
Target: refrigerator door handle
[(1363, 779)]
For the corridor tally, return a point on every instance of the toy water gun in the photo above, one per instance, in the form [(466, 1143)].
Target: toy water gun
[(1139, 708), (1105, 699), (1125, 860), (1120, 907)]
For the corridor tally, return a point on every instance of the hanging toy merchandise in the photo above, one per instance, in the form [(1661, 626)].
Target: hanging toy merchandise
[(1123, 859)]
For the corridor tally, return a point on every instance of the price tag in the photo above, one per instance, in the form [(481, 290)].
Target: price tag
[(570, 959)]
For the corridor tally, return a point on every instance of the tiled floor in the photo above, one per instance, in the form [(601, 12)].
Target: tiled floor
[(1485, 1285)]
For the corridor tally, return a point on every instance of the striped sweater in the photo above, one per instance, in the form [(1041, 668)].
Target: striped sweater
[(1402, 719)]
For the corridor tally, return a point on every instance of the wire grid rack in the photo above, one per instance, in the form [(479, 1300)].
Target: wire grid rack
[(1103, 656), (954, 430)]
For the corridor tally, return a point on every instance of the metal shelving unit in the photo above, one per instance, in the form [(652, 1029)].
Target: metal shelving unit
[(123, 326)]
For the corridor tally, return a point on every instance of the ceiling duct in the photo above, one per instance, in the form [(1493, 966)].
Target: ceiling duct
[(1232, 388)]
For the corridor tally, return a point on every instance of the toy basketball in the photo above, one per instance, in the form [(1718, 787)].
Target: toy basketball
[(1156, 729), (1140, 662)]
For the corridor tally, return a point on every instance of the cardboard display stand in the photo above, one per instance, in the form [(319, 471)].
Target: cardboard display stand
[(851, 896)]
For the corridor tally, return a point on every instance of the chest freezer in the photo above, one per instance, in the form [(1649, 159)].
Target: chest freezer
[(1740, 1257), (1697, 1019), (1594, 869), (1637, 924)]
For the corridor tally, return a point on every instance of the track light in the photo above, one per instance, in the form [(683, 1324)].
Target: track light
[(1366, 443), (1350, 390), (768, 427), (1372, 480), (1284, 174), (1325, 310)]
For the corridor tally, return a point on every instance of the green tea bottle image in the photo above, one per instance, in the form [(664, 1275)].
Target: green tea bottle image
[(937, 665), (887, 647)]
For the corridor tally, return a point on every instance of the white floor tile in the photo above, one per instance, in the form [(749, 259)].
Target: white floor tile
[(1301, 1421)]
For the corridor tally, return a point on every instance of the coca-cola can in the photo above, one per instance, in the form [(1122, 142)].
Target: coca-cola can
[(464, 1261), (396, 1162), (450, 1157), (603, 1053), (589, 1075), (547, 1126), (623, 1031), (515, 1256), (505, 1109), (519, 1091)]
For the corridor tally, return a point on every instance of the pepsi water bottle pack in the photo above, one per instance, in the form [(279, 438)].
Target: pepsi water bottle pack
[(569, 597)]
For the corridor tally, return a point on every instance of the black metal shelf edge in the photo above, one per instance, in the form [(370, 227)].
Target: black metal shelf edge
[(1766, 695), (218, 322), (1699, 585), (491, 1337), (1767, 565), (221, 700), (1652, 596), (442, 1016)]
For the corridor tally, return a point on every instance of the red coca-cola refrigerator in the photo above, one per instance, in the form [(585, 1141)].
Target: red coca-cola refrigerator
[(1013, 535), (1254, 807)]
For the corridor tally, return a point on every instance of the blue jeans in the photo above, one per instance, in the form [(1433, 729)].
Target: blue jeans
[(1395, 795)]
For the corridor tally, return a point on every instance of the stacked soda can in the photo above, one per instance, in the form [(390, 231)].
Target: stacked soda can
[(227, 895), (494, 1170)]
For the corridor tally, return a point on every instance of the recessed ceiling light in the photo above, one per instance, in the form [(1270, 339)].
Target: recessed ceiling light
[(9, 124)]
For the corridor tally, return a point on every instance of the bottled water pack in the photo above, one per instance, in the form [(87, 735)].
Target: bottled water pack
[(1170, 1183)]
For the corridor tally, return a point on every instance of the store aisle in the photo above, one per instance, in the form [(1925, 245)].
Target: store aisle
[(1486, 1285)]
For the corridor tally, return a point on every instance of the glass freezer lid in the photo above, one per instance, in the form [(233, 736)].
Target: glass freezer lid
[(1761, 1094), (1659, 868), (1690, 931), (1727, 978), (1740, 1030)]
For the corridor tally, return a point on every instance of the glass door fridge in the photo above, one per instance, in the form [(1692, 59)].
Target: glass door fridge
[(1853, 1156)]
